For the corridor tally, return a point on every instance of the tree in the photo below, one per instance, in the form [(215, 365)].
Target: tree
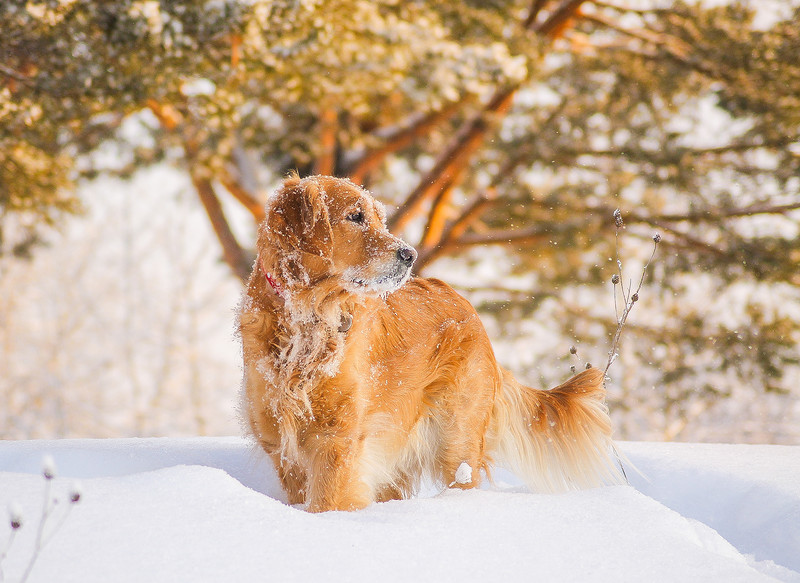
[(517, 125), (120, 324)]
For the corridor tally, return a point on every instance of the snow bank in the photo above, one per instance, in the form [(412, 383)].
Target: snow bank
[(211, 509), (750, 494)]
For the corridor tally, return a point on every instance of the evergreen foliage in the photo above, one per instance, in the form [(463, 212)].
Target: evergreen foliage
[(524, 122)]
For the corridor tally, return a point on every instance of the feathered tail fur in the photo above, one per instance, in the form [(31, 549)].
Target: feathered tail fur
[(555, 440)]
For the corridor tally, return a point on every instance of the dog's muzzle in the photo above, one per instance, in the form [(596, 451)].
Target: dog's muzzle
[(388, 279)]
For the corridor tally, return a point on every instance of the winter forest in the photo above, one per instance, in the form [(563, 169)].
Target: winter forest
[(139, 141)]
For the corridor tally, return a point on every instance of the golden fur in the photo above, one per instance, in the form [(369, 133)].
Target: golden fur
[(360, 381)]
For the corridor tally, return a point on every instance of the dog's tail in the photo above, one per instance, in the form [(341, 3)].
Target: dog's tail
[(555, 440)]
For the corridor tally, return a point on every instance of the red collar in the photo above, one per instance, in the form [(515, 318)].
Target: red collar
[(347, 319), (276, 287)]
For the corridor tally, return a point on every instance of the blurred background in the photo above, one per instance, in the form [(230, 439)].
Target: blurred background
[(139, 141)]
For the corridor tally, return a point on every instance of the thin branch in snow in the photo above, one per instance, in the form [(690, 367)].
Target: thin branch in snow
[(48, 507), (629, 297), (75, 495), (15, 521)]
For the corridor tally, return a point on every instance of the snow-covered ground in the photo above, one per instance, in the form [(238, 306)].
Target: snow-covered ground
[(210, 509)]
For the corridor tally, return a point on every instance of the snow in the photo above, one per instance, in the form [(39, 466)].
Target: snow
[(211, 509), (464, 474)]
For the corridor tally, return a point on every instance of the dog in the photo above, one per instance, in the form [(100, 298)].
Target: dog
[(361, 380)]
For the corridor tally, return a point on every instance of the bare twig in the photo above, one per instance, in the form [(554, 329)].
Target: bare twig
[(628, 299), (15, 520), (48, 506)]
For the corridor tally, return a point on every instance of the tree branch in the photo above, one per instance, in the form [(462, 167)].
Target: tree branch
[(475, 209), (533, 234), (455, 156), (232, 252), (533, 13), (454, 239), (472, 132), (642, 11), (457, 228), (399, 139), (557, 22), (763, 208), (691, 64), (664, 43), (168, 116), (16, 75), (530, 235), (437, 216), (712, 215), (328, 127), (240, 193), (691, 242), (663, 156), (659, 40)]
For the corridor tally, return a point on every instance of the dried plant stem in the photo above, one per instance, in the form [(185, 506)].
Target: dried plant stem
[(47, 508), (628, 299), (57, 527), (4, 552)]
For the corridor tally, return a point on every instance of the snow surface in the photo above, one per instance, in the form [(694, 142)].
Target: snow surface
[(211, 509)]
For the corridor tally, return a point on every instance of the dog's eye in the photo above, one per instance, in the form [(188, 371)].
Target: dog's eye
[(356, 217)]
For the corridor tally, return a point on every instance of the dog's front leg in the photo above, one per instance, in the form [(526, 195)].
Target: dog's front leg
[(334, 483), (292, 477)]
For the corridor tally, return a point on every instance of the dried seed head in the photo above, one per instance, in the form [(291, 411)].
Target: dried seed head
[(75, 493), (15, 515), (618, 219), (48, 467), (615, 279), (572, 369), (573, 350), (635, 298), (657, 238), (588, 365)]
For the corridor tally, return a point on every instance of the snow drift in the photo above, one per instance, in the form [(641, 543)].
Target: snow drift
[(210, 509)]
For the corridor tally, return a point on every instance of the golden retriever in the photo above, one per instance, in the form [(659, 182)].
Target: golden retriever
[(360, 380)]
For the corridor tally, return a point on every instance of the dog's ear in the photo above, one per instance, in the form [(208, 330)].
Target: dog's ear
[(298, 219), (313, 211)]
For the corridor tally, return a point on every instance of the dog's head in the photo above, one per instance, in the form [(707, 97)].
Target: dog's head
[(326, 228)]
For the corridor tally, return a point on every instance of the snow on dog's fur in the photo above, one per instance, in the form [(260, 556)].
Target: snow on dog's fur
[(360, 380)]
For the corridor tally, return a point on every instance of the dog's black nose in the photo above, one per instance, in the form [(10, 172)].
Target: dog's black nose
[(407, 255)]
